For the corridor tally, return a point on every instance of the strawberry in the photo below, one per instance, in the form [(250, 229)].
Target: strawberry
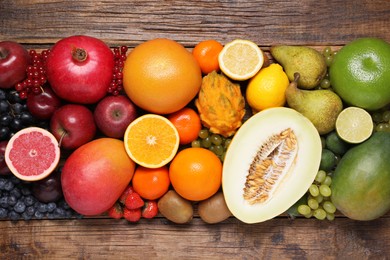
[(134, 201), (115, 211), (132, 215), (150, 210), (125, 193)]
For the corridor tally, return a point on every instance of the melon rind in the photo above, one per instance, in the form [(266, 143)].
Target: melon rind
[(45, 173), (245, 144)]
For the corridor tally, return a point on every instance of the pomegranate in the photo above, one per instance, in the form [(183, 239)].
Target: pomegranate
[(79, 69)]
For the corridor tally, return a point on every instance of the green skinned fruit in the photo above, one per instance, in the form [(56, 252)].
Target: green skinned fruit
[(361, 181), (321, 106), (308, 62), (360, 73)]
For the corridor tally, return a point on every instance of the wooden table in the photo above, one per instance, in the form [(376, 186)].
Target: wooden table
[(39, 24)]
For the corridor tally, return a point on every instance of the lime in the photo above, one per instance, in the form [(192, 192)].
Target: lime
[(360, 73), (328, 160), (267, 88), (354, 125), (335, 144)]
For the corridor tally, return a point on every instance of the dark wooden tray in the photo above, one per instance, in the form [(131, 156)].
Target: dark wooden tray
[(39, 24)]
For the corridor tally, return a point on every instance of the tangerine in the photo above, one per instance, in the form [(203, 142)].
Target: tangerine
[(187, 123), (206, 53), (161, 76), (196, 173), (150, 183)]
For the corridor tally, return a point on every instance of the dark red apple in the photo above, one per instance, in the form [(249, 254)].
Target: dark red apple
[(14, 60), (4, 170), (113, 114), (79, 69), (43, 105), (73, 125), (48, 189)]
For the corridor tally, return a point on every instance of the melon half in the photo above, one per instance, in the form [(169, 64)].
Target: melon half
[(270, 164)]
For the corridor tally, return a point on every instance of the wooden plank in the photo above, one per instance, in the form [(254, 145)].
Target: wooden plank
[(131, 22), (281, 238)]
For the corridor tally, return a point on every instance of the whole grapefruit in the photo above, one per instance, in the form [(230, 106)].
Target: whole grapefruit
[(360, 73), (161, 76), (95, 175)]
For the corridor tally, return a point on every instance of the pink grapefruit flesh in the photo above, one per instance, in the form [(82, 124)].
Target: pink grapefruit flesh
[(32, 154)]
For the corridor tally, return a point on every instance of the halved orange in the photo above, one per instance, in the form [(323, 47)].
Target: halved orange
[(240, 59), (151, 141)]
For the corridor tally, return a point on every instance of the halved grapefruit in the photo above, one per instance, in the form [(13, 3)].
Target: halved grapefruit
[(32, 154)]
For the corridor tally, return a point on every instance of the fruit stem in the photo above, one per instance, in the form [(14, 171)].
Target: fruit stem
[(79, 54), (3, 53), (61, 138)]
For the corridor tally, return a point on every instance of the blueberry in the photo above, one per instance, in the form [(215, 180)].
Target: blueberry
[(16, 192), (3, 213), (5, 119), (17, 108), (12, 200), (9, 186), (5, 133), (19, 207), (60, 212), (26, 216), (51, 206), (38, 215), (30, 211), (12, 215), (29, 200), (4, 106), (41, 207), (25, 190), (2, 183), (63, 204), (3, 94), (4, 202)]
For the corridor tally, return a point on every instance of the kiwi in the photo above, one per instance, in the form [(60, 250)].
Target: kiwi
[(175, 208), (214, 209)]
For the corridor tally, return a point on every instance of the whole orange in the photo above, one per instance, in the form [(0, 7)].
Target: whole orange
[(188, 124), (151, 183), (206, 53), (196, 173), (161, 76)]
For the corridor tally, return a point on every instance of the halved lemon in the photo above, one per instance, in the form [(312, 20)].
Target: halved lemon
[(151, 141), (240, 59), (354, 125)]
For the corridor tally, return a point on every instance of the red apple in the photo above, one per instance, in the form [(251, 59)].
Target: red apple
[(43, 105), (73, 125), (14, 60), (4, 170), (113, 114), (95, 175)]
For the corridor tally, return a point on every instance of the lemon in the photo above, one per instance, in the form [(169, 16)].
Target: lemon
[(267, 88), (240, 59), (354, 125)]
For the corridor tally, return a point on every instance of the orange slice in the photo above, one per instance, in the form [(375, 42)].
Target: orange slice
[(240, 59), (151, 141)]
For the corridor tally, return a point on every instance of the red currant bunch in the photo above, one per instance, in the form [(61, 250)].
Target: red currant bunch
[(36, 75), (116, 84)]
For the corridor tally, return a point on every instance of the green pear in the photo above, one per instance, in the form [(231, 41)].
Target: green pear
[(320, 106), (308, 62)]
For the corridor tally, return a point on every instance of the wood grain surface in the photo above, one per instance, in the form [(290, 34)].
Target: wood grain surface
[(39, 24)]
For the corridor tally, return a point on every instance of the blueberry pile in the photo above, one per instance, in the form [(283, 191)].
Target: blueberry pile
[(17, 202), (14, 114)]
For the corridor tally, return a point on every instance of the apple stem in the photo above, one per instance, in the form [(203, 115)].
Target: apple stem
[(3, 53), (61, 138), (79, 54)]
